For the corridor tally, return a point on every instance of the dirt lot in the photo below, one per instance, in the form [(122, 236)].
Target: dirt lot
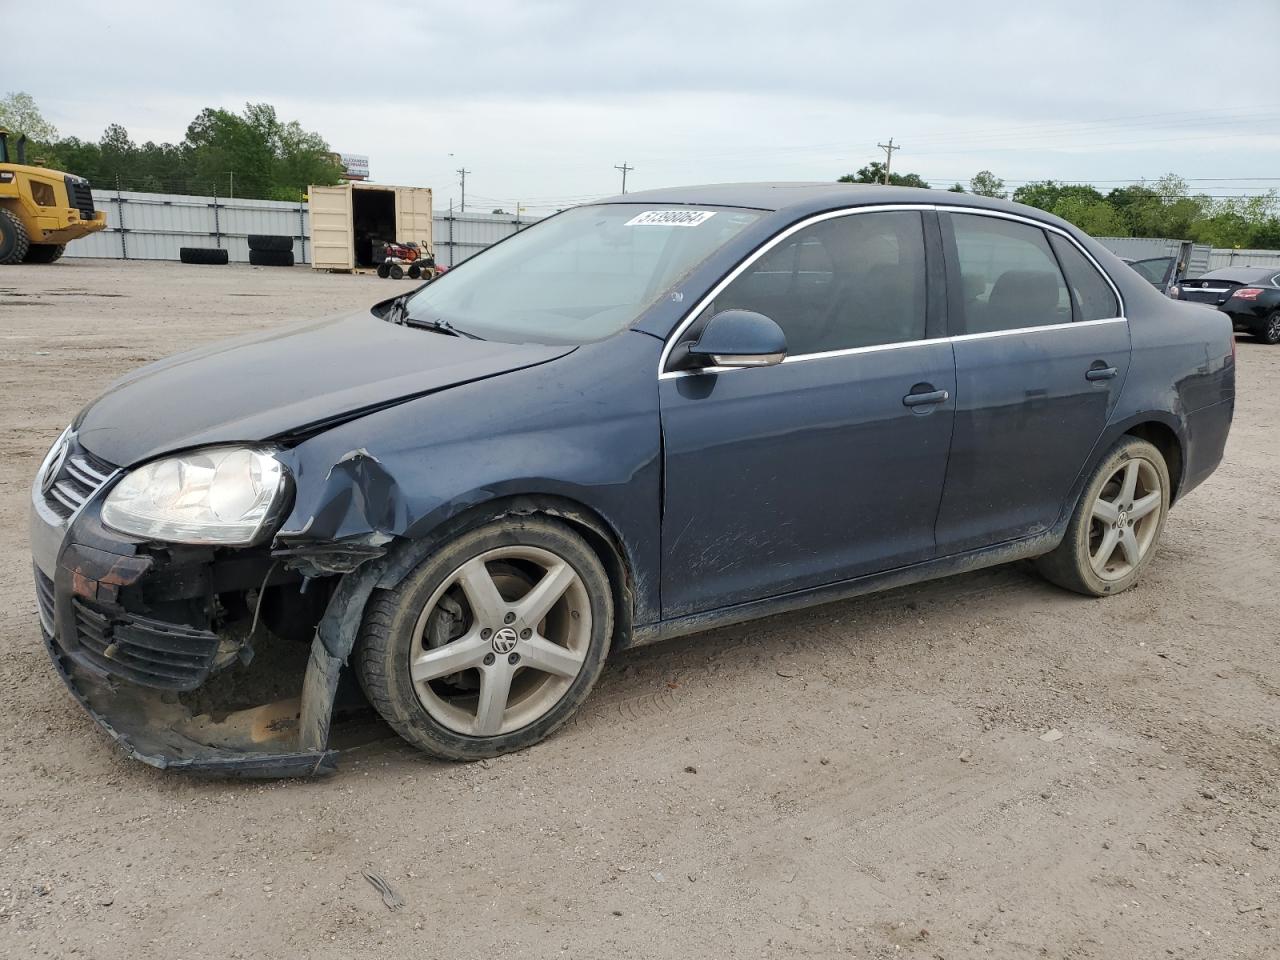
[(865, 779)]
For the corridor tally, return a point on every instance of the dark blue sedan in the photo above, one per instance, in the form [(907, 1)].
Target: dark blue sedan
[(640, 418)]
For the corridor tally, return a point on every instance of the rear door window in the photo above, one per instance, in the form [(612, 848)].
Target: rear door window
[(1009, 276), (1093, 296)]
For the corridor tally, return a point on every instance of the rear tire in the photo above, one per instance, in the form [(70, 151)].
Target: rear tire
[(471, 656), (397, 272), (14, 240), (45, 252), (384, 270), (1116, 525), (1269, 333)]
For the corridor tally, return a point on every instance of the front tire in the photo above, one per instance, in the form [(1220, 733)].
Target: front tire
[(492, 642), (1116, 525), (14, 239)]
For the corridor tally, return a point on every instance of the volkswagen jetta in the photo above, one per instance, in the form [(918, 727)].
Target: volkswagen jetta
[(638, 419)]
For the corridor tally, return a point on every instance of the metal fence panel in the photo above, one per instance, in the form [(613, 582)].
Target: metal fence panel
[(153, 226), (1243, 258), (457, 236)]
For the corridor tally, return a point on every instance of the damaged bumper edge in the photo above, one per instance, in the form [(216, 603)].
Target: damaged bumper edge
[(167, 748)]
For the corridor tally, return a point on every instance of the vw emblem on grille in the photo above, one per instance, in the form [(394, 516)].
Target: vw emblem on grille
[(55, 466), (504, 640)]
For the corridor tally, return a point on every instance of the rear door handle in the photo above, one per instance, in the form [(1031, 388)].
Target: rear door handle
[(923, 399), (1100, 373)]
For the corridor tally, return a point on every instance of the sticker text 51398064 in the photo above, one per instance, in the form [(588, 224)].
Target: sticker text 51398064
[(670, 218)]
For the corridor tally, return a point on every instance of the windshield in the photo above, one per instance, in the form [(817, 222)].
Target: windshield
[(579, 276)]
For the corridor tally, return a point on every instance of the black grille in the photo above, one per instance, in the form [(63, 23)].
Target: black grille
[(81, 197), (44, 597), (147, 652), (79, 478)]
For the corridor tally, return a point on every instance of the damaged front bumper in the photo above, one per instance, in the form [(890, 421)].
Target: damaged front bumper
[(200, 660)]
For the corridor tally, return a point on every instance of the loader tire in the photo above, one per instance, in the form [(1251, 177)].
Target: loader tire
[(14, 240), (205, 255), (45, 252), (270, 242), (271, 258)]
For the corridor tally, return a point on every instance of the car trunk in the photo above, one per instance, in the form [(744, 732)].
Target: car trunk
[(1211, 290)]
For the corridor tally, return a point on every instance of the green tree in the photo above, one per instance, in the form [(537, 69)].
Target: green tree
[(987, 184), (874, 173), (19, 113), (1047, 194), (957, 188)]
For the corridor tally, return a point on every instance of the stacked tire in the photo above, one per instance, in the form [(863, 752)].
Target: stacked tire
[(204, 255), (267, 250)]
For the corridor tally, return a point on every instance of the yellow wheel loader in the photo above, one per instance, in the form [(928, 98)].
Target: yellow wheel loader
[(41, 210)]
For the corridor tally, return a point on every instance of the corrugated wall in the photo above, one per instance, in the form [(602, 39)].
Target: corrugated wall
[(152, 226), (1238, 258), (461, 235)]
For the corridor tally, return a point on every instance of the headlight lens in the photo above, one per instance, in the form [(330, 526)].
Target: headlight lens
[(222, 495)]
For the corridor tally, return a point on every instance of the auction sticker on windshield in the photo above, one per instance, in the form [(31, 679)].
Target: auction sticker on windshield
[(670, 218)]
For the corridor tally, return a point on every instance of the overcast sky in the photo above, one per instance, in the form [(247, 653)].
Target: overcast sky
[(539, 100)]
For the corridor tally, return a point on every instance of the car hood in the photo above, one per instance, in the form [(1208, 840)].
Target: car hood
[(286, 381)]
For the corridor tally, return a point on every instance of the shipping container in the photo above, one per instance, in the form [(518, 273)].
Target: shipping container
[(350, 222)]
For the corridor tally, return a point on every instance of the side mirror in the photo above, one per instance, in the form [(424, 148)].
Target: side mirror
[(739, 338)]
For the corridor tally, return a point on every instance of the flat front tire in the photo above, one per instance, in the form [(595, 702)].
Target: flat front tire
[(1116, 525), (491, 643)]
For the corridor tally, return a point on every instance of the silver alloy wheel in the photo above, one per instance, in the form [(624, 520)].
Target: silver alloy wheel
[(511, 631), (1125, 519), (1273, 329)]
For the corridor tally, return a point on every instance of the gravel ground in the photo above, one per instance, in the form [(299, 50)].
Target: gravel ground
[(868, 778)]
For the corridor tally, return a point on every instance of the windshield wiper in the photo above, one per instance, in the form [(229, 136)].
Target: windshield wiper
[(398, 313), (438, 324)]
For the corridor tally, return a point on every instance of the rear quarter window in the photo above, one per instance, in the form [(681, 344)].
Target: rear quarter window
[(1093, 296)]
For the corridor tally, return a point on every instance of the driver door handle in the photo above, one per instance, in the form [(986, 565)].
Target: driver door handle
[(1100, 373), (921, 399)]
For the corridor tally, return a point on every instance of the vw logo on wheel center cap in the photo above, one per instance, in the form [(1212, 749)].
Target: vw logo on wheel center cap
[(504, 640)]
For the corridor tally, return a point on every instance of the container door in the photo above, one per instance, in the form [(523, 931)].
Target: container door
[(332, 236), (413, 215)]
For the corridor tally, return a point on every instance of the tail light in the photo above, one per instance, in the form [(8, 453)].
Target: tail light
[(1247, 293)]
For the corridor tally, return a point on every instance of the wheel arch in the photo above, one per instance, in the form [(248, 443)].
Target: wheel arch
[(1165, 439), (583, 519), (341, 621)]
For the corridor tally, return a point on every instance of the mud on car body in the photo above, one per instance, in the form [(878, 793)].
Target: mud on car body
[(635, 420)]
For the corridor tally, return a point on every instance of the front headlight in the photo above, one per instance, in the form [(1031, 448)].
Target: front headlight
[(223, 495)]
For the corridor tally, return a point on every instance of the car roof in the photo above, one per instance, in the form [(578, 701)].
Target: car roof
[(1242, 274), (810, 197)]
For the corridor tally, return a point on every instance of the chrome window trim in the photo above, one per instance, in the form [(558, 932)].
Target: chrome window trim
[(715, 291)]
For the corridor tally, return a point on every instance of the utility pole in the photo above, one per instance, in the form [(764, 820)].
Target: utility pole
[(462, 175), (625, 170), (888, 149), (231, 176)]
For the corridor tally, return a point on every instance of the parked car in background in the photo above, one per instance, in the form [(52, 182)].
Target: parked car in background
[(638, 419), (1250, 296)]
